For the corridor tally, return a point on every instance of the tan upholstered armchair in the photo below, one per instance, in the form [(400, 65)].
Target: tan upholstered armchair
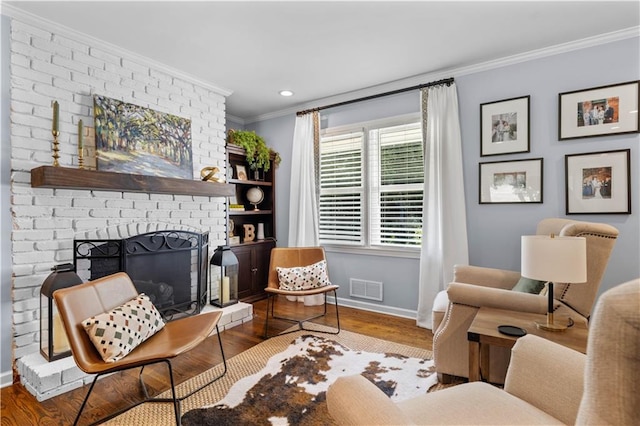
[(475, 287), (546, 383)]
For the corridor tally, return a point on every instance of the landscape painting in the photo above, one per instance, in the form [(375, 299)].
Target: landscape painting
[(138, 140)]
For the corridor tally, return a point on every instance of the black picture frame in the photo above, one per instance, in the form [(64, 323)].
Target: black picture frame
[(511, 182), (599, 111), (598, 182), (504, 126)]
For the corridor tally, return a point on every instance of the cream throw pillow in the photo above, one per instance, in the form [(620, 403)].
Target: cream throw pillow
[(118, 332), (303, 277)]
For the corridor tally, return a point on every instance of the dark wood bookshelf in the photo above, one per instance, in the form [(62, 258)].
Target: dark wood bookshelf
[(251, 182), (250, 212)]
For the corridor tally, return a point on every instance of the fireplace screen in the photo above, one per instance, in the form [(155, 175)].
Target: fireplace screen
[(170, 267)]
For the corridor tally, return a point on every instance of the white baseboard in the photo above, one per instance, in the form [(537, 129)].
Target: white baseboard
[(6, 379), (372, 307)]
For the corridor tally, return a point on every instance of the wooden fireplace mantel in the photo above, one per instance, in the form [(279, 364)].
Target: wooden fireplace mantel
[(68, 178)]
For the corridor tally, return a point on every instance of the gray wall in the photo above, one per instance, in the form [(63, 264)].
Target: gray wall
[(234, 123), (494, 230), (5, 217)]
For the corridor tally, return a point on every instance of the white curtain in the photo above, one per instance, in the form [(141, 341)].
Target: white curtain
[(303, 204), (444, 225)]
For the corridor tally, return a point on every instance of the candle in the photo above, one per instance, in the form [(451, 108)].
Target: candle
[(60, 340), (56, 116), (80, 130), (224, 287)]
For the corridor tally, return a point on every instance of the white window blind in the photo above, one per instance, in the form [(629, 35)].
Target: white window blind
[(371, 186), (342, 189), (396, 188)]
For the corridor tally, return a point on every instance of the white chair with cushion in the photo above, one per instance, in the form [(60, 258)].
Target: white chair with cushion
[(474, 287), (546, 383)]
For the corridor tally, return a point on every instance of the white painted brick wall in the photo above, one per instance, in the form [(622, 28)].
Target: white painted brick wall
[(47, 65)]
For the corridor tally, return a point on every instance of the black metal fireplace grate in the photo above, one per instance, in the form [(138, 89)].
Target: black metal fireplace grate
[(169, 266)]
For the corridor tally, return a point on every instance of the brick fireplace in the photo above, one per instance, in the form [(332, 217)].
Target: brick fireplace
[(54, 64)]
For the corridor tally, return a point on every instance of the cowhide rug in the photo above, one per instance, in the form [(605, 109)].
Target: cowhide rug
[(291, 389)]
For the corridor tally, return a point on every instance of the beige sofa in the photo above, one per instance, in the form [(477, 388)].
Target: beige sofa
[(545, 384), (474, 287)]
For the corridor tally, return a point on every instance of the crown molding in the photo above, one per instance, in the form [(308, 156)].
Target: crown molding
[(461, 71), (56, 28), (235, 119), (552, 50)]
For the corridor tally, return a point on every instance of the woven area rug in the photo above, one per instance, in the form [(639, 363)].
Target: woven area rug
[(283, 381)]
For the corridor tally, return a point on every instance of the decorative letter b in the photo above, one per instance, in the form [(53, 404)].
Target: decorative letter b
[(249, 232)]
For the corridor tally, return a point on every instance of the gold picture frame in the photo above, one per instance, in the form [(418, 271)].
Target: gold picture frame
[(241, 172)]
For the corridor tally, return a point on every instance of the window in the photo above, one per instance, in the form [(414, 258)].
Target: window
[(371, 184)]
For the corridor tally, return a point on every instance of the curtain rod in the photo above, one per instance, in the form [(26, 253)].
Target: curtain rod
[(446, 81)]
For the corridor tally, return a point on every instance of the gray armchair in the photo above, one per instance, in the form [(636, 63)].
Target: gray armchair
[(474, 287)]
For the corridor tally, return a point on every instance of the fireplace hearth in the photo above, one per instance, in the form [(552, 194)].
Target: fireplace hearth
[(170, 266)]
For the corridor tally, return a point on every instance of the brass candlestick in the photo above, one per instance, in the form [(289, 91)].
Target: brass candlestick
[(80, 145), (56, 149), (80, 158)]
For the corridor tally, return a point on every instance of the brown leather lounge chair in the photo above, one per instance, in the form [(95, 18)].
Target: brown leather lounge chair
[(290, 257), (76, 304)]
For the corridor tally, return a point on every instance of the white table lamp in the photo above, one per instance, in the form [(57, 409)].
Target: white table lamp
[(554, 259)]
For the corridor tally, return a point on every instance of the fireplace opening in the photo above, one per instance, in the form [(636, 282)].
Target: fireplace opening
[(170, 267)]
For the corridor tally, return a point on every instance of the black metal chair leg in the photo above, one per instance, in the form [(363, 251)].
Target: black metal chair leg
[(86, 398), (266, 319), (335, 299), (178, 400), (175, 400), (301, 322), (176, 403)]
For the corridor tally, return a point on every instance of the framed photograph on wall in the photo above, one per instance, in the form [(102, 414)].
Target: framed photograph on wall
[(598, 182), (504, 126), (601, 111), (508, 182)]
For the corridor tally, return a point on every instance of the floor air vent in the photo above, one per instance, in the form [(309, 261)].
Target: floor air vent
[(365, 289)]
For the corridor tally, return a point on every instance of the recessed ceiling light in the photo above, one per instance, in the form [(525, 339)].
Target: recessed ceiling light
[(286, 93)]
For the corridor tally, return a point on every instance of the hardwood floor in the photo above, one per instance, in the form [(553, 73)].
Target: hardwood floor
[(120, 390)]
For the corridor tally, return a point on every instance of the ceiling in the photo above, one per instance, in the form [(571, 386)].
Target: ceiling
[(323, 49)]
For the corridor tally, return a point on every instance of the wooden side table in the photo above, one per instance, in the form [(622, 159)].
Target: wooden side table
[(483, 333)]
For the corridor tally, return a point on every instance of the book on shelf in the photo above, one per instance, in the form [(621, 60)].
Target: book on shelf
[(236, 207)]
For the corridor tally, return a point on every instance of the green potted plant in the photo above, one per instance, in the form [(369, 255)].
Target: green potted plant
[(258, 153)]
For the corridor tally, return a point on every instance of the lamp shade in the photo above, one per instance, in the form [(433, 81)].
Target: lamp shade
[(553, 258)]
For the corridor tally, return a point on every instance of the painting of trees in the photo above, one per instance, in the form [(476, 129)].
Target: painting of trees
[(139, 140)]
